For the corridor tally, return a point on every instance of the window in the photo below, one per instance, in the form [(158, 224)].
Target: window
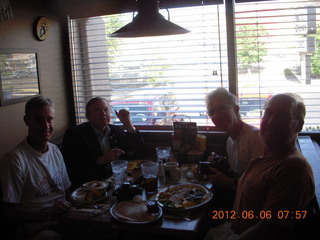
[(160, 79), (278, 50), (18, 75)]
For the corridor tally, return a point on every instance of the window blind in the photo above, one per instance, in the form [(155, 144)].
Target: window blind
[(159, 79), (278, 51)]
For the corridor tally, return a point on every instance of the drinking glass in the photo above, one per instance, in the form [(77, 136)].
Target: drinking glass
[(119, 169), (163, 153), (150, 173)]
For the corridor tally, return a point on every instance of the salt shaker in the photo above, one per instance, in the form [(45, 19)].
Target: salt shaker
[(160, 169)]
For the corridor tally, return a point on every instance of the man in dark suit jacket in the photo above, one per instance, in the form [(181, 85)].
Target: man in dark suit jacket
[(89, 148)]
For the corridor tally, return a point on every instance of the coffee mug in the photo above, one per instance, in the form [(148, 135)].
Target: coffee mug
[(172, 172)]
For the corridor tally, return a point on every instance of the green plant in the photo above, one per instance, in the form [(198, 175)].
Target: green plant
[(315, 58), (112, 23), (155, 74), (250, 45)]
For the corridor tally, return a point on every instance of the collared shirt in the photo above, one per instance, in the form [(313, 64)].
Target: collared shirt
[(103, 138), (273, 184)]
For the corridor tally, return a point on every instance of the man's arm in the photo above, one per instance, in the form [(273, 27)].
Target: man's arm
[(14, 213), (131, 143)]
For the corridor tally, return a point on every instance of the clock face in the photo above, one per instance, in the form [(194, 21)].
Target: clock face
[(42, 28)]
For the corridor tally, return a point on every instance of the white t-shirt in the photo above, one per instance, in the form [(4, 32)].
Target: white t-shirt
[(245, 147), (32, 179)]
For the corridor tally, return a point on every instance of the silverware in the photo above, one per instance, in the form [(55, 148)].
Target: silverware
[(177, 217)]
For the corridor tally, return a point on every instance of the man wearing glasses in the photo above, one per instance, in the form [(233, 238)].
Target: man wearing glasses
[(243, 143), (274, 193)]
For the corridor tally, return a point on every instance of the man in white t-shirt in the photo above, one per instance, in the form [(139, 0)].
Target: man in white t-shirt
[(34, 180), (243, 143)]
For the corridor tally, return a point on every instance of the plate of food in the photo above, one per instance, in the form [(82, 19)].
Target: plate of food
[(91, 192), (135, 212), (183, 196), (134, 164)]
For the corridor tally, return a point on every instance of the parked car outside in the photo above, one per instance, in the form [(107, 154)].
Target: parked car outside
[(141, 112), (251, 107)]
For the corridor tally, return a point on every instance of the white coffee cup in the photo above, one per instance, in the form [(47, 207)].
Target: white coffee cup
[(172, 172)]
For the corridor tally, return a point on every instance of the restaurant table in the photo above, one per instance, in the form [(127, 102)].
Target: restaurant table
[(188, 224)]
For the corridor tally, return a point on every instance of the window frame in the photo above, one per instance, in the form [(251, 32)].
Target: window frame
[(232, 60)]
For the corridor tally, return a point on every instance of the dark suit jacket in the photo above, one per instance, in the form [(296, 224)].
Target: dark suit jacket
[(80, 149)]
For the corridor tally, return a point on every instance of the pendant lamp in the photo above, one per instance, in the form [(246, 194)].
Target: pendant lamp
[(148, 22)]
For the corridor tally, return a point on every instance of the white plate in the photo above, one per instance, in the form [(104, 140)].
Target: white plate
[(156, 216), (79, 195), (207, 197), (95, 185)]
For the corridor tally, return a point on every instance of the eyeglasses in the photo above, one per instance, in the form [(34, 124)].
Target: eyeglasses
[(282, 118), (219, 109)]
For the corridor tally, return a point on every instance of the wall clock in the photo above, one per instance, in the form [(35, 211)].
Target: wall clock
[(41, 28)]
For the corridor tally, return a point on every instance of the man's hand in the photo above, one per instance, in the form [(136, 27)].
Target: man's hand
[(211, 157), (124, 117), (114, 154), (111, 155), (61, 207), (217, 178)]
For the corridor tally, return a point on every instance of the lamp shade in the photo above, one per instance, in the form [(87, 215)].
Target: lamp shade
[(148, 22)]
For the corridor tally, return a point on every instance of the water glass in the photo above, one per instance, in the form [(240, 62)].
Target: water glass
[(150, 173), (119, 169), (163, 153)]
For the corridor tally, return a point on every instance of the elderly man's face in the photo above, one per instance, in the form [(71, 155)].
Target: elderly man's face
[(279, 125), (222, 114), (99, 114)]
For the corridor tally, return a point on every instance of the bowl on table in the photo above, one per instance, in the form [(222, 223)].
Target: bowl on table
[(91, 192), (95, 189)]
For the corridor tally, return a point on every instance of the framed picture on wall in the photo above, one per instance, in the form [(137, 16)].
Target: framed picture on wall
[(19, 75)]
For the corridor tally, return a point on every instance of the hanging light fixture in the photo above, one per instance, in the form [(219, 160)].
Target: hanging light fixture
[(148, 22)]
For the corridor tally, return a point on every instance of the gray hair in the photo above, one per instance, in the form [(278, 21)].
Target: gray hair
[(94, 100), (299, 108), (37, 102), (224, 93)]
